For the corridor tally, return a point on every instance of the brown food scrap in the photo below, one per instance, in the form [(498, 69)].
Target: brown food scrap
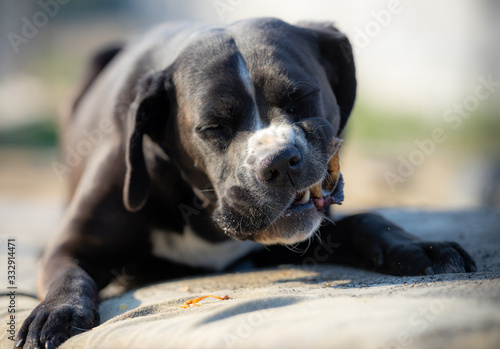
[(193, 302)]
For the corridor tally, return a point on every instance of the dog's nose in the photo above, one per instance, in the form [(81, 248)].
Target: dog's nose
[(281, 166)]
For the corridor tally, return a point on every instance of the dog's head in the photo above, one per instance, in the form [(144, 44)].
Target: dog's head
[(252, 112)]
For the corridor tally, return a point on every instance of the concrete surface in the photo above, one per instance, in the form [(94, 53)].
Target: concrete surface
[(291, 306)]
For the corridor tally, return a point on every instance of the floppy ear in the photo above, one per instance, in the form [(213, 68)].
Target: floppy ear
[(338, 61), (147, 115)]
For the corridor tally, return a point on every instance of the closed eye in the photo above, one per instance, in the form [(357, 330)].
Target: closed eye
[(217, 134), (209, 127), (215, 128), (304, 105)]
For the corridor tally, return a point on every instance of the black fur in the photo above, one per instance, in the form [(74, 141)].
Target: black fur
[(213, 131)]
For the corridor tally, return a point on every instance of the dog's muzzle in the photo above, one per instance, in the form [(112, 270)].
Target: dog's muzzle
[(275, 211)]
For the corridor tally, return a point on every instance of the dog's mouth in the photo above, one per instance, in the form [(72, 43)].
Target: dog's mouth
[(327, 191), (305, 214), (298, 221)]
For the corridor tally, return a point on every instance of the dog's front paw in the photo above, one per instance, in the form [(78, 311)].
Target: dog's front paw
[(51, 323), (426, 258)]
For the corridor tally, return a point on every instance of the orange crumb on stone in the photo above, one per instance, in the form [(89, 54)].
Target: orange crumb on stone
[(193, 302)]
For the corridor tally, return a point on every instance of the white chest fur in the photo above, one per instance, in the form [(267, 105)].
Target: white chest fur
[(188, 248)]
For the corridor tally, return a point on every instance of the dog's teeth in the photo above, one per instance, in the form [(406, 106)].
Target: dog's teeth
[(330, 182), (305, 197), (316, 191)]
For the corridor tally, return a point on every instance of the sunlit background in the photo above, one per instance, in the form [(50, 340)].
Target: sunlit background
[(423, 71)]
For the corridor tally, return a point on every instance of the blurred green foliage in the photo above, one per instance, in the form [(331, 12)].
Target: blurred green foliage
[(369, 123), (36, 134), (478, 132)]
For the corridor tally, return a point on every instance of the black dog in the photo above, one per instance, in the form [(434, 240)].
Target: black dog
[(209, 142)]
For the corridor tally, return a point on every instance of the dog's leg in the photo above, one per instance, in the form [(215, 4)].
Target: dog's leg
[(380, 244), (370, 241), (92, 250), (97, 238), (69, 306)]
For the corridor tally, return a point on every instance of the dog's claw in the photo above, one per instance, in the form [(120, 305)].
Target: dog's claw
[(428, 258), (37, 332)]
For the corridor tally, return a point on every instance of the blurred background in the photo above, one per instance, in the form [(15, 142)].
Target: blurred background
[(424, 68)]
